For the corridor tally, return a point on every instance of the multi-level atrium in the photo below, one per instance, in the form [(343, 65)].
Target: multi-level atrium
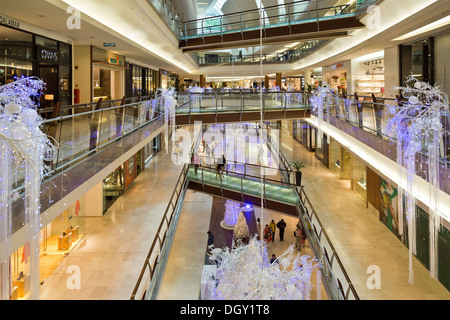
[(168, 149)]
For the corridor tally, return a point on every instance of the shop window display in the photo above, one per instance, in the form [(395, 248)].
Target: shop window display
[(58, 238), (113, 187), (359, 178)]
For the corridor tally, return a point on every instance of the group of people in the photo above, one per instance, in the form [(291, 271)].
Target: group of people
[(269, 230), (198, 159)]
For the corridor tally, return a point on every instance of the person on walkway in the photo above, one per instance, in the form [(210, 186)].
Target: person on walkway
[(210, 239), (298, 238), (273, 227), (273, 259), (196, 161), (267, 234), (220, 166), (281, 225), (258, 228)]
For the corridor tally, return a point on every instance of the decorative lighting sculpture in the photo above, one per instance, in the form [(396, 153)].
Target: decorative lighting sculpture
[(24, 149)]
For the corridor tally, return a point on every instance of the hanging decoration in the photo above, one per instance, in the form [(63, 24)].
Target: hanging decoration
[(320, 101), (244, 272), (24, 149), (168, 100), (416, 125)]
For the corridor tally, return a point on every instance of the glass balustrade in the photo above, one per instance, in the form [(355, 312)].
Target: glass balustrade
[(79, 135), (288, 14)]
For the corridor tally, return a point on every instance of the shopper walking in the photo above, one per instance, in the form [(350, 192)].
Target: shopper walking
[(210, 239), (273, 227), (267, 234), (258, 227), (281, 225)]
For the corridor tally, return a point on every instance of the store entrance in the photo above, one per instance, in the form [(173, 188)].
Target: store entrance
[(49, 74)]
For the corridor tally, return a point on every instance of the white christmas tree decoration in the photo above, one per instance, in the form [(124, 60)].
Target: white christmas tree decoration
[(241, 230), (245, 273), (23, 150), (414, 124)]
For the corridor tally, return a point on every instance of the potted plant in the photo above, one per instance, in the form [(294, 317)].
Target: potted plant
[(298, 165)]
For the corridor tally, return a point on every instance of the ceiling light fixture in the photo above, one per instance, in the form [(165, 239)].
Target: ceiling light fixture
[(432, 26)]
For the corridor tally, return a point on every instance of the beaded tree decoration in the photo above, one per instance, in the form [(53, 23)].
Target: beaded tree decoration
[(24, 148), (418, 127)]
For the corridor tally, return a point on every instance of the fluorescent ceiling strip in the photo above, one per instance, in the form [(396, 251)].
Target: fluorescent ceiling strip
[(432, 26)]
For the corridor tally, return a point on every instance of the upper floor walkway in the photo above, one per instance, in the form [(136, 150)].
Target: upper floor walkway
[(298, 20)]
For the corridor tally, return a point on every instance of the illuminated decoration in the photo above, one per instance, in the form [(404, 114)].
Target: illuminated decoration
[(195, 98), (167, 99), (241, 229), (320, 101), (24, 148), (232, 209), (415, 124), (244, 272)]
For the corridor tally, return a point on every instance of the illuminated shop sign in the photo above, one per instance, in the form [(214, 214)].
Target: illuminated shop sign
[(9, 22), (48, 55)]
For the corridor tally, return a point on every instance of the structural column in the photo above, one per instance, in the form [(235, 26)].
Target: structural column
[(202, 81), (278, 80)]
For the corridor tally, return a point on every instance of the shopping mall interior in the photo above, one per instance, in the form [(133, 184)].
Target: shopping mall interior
[(169, 149)]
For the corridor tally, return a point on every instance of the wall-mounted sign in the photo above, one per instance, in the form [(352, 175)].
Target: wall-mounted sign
[(109, 44), (337, 66), (47, 55), (9, 22)]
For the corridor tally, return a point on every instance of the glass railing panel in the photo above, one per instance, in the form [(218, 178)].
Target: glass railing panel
[(368, 116), (130, 118), (109, 126), (76, 136)]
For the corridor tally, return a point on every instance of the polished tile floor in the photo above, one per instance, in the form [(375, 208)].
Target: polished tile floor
[(109, 258)]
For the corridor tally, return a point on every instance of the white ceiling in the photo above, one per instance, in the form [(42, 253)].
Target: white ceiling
[(146, 39), (51, 17)]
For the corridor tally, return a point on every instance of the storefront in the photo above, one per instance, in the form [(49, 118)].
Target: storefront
[(141, 81), (24, 54), (108, 71), (304, 133), (368, 75), (336, 76), (118, 181), (58, 238), (322, 148), (359, 178)]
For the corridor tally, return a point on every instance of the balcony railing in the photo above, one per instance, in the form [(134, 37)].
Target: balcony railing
[(297, 12)]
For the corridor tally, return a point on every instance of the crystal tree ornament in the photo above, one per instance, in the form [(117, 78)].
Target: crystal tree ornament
[(244, 272), (232, 209), (24, 148), (417, 123)]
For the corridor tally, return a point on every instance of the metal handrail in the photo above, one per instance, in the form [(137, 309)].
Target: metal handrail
[(161, 235), (302, 209), (341, 9), (304, 198)]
